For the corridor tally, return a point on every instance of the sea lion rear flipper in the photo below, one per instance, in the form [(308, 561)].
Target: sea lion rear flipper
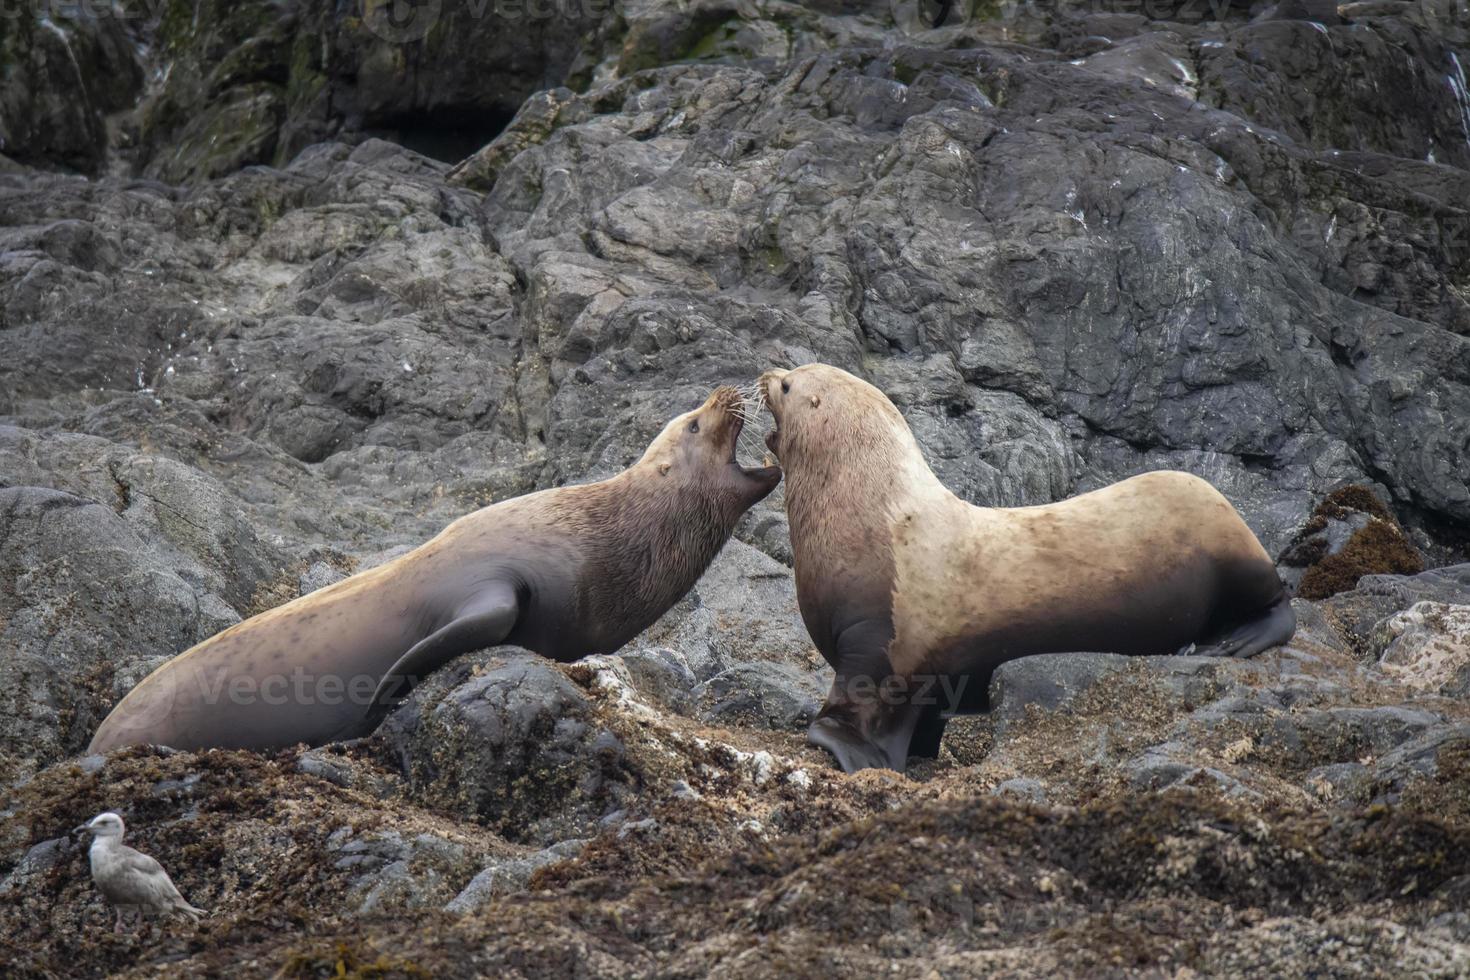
[(482, 622), (1273, 627)]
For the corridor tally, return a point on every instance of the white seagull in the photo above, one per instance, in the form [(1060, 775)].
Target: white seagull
[(128, 878)]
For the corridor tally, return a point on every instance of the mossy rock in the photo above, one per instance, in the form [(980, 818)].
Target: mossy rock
[(1377, 544), (234, 134)]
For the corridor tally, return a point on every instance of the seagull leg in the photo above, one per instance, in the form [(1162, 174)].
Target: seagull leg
[(118, 925)]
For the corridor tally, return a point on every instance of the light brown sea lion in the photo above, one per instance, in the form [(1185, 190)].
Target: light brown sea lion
[(565, 572), (915, 596)]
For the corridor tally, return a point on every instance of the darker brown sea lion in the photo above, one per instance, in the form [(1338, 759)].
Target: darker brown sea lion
[(915, 596), (565, 572)]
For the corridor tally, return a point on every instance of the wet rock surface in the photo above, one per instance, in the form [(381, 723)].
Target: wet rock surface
[(322, 294)]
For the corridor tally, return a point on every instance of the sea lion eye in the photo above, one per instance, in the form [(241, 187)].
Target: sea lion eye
[(785, 387), (694, 426)]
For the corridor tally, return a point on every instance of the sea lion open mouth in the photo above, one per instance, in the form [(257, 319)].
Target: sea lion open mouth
[(736, 426), (763, 400), (739, 409)]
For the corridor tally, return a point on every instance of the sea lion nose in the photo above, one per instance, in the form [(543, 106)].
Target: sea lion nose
[(725, 396)]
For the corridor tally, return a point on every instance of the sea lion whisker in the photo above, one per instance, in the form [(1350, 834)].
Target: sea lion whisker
[(752, 401), (752, 392), (749, 445)]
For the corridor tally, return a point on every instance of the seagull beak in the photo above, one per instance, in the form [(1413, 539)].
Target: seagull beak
[(79, 828)]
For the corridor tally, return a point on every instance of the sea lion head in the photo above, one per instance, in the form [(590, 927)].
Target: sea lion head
[(698, 448), (822, 410)]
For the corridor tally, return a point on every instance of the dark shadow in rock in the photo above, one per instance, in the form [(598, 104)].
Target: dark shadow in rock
[(448, 133)]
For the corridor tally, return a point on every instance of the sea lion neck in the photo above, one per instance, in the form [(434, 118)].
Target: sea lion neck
[(667, 531), (878, 470)]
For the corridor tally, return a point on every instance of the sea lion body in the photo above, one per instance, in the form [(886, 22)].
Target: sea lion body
[(565, 572), (915, 596)]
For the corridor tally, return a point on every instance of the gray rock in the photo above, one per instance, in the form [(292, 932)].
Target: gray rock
[(743, 608), (1166, 765), (191, 520), (769, 694), (39, 860), (1021, 788), (319, 575), (509, 738), (1315, 630), (66, 68), (1318, 11), (330, 764), (1206, 691), (1341, 782), (1360, 616), (1191, 682), (84, 597), (505, 877), (1045, 683), (391, 872), (1355, 616), (1347, 734), (1427, 647), (978, 349), (1450, 585), (1250, 711), (1417, 758), (186, 786), (256, 82), (661, 676)]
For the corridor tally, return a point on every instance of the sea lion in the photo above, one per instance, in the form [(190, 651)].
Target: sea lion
[(564, 572), (915, 596)]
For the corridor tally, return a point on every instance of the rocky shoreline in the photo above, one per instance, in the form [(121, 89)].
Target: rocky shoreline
[(280, 296)]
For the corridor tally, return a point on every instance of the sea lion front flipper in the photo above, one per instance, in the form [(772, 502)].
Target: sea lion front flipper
[(482, 622), (859, 724), (851, 750), (887, 747)]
